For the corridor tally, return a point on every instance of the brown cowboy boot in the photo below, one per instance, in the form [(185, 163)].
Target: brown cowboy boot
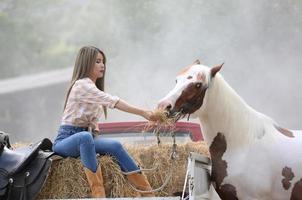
[(140, 181), (95, 181)]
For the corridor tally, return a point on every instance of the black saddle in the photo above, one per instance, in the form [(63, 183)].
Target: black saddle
[(24, 170)]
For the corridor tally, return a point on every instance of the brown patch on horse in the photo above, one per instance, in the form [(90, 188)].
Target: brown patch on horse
[(184, 70), (297, 191), (191, 98), (288, 176), (196, 62), (228, 192), (219, 168), (285, 131), (217, 149)]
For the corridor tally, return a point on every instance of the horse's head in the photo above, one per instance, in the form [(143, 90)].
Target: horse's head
[(188, 94)]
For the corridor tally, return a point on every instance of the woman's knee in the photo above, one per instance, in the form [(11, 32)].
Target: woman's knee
[(85, 137), (117, 145), (111, 146)]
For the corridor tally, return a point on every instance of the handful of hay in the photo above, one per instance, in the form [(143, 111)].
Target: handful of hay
[(161, 117), (160, 120)]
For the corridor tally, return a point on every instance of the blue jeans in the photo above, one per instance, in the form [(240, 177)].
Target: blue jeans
[(77, 141)]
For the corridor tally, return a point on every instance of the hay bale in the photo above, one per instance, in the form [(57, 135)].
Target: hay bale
[(150, 156), (67, 179)]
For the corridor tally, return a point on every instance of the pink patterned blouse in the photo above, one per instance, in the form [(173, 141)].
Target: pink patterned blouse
[(84, 104)]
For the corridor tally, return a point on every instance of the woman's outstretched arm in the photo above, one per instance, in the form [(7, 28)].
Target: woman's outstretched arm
[(126, 107)]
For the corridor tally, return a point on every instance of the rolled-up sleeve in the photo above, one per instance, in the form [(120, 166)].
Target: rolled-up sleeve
[(106, 99), (87, 92)]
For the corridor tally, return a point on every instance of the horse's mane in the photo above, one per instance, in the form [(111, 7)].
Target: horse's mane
[(232, 115)]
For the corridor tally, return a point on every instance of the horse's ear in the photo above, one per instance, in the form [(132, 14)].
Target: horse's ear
[(196, 62), (215, 69)]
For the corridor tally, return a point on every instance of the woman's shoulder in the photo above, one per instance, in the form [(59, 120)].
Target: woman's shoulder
[(84, 83), (84, 80)]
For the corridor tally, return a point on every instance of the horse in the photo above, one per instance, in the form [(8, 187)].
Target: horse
[(252, 156)]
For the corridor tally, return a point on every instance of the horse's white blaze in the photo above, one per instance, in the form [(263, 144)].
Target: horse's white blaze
[(256, 151), (182, 81)]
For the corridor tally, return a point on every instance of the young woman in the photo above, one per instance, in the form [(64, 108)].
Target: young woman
[(84, 104)]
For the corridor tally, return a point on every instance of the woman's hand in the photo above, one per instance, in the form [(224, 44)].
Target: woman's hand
[(149, 115)]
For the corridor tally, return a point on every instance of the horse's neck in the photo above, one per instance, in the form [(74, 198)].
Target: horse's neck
[(224, 111)]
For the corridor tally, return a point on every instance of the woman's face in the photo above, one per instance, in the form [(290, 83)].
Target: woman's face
[(99, 68)]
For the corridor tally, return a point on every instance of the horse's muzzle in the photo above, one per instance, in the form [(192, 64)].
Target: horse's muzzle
[(175, 114)]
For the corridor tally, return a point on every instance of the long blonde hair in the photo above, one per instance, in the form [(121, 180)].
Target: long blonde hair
[(84, 63)]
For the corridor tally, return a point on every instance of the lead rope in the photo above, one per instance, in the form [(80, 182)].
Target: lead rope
[(168, 177)]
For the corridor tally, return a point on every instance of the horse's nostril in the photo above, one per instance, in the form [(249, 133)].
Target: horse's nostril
[(169, 107)]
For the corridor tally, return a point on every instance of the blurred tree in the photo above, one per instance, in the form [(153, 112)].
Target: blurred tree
[(30, 37), (40, 35)]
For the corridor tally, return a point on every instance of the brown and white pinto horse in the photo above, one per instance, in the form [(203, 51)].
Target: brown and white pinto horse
[(252, 156)]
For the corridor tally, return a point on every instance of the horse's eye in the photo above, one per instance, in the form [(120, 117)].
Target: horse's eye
[(198, 85), (189, 77)]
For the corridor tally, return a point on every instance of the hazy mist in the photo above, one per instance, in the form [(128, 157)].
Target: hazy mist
[(147, 43)]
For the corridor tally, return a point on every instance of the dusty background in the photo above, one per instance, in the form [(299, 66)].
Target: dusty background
[(147, 43)]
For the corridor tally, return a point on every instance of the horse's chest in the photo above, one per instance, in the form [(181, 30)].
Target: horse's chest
[(233, 172)]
